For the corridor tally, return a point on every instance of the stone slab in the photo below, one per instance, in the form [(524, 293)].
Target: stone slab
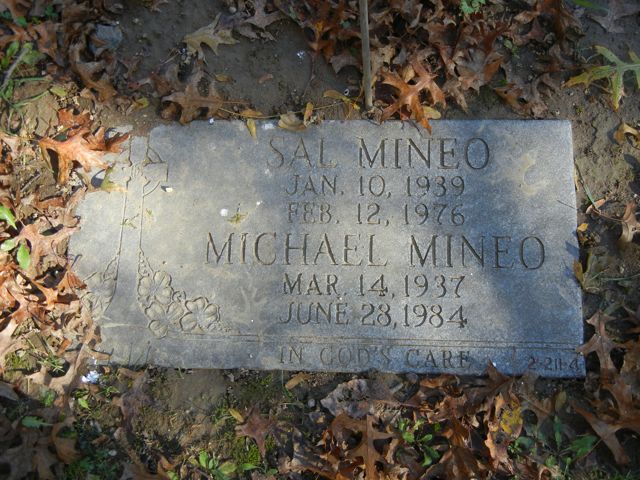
[(346, 247)]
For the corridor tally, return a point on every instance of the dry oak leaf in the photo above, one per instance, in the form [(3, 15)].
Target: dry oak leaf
[(409, 94), (555, 11), (69, 119), (93, 74), (290, 121), (305, 459), (324, 26), (257, 427), (42, 244), (82, 147), (458, 461), (616, 10), (260, 18), (477, 66), (212, 35), (606, 429), (601, 344), (65, 447), (524, 99), (345, 59), (358, 398), (366, 448), (630, 225), (30, 456), (624, 130), (192, 103)]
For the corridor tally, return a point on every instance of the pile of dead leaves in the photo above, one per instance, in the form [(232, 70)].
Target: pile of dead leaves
[(445, 427), (42, 327), (425, 55)]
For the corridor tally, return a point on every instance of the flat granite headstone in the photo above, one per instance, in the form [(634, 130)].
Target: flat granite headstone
[(346, 247)]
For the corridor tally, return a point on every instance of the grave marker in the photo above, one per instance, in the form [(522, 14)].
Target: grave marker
[(345, 247)]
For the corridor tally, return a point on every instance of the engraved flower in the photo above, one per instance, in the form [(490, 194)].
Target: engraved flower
[(203, 314), (162, 317), (155, 287)]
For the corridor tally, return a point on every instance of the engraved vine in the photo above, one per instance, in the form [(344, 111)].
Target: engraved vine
[(167, 309), (102, 286)]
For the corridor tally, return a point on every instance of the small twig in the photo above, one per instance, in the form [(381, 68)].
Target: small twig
[(7, 75), (366, 54), (312, 74), (621, 279)]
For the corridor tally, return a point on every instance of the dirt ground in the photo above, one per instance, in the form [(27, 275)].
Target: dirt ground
[(182, 413)]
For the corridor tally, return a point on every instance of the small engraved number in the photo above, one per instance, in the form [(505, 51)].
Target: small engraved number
[(419, 281), (457, 218), (458, 184), (417, 186), (440, 212), (374, 185), (459, 279), (433, 314), (383, 317), (372, 214), (417, 286), (436, 318), (439, 186), (442, 189), (458, 317), (440, 284)]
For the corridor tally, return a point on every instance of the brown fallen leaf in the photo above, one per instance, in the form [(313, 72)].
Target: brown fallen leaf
[(30, 458), (343, 427), (261, 19), (601, 344), (616, 10), (65, 446), (6, 391), (93, 74), (606, 428), (81, 147), (630, 225), (358, 397), (69, 119), (257, 427), (477, 66), (250, 113), (222, 78), (306, 459), (408, 97), (192, 103), (308, 111), (290, 121), (296, 380), (212, 35), (523, 98), (594, 208), (623, 130), (44, 244), (251, 126), (458, 461), (264, 78), (345, 59), (321, 20)]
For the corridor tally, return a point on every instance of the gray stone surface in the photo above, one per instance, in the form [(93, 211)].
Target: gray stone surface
[(346, 247)]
